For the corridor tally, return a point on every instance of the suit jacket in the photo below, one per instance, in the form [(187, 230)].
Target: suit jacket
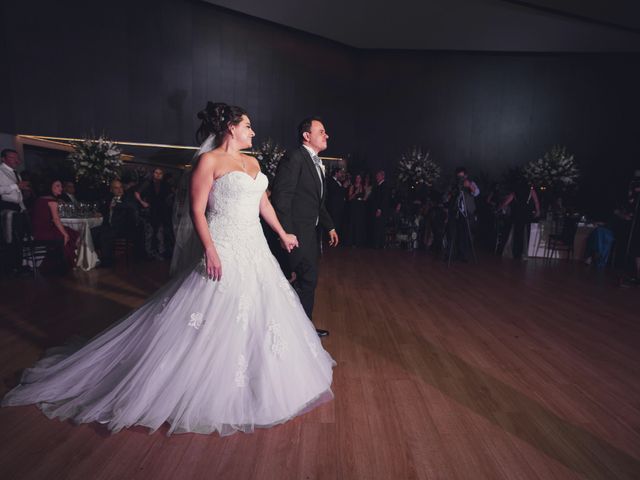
[(297, 197), (120, 217), (66, 198)]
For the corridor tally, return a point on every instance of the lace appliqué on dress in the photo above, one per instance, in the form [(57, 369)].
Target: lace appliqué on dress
[(278, 344), (243, 311), (241, 372), (196, 320), (288, 289)]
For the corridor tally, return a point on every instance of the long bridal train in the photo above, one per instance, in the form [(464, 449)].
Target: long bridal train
[(203, 356)]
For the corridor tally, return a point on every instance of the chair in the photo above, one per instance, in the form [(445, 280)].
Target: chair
[(35, 251), (123, 245), (563, 241)]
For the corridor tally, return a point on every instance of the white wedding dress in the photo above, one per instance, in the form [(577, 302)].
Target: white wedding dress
[(202, 355)]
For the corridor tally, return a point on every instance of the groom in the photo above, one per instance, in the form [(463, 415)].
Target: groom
[(298, 196)]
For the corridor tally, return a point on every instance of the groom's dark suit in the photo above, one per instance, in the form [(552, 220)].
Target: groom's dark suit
[(298, 200)]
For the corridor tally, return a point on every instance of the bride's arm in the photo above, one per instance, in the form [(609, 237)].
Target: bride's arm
[(289, 241), (201, 182)]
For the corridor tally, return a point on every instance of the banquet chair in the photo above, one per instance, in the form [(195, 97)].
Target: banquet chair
[(123, 245), (563, 241)]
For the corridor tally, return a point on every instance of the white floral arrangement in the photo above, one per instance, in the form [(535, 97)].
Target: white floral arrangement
[(96, 162), (269, 155), (416, 167), (556, 170)]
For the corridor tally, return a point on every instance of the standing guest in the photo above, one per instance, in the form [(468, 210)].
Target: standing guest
[(336, 198), (298, 196), (525, 207), (136, 223), (13, 190), (12, 187), (368, 188), (380, 205), (153, 196), (357, 213), (461, 214), (47, 226), (631, 214)]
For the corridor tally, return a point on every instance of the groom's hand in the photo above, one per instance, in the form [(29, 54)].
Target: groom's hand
[(333, 238)]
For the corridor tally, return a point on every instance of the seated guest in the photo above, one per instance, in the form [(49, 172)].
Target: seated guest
[(13, 190), (46, 225), (118, 221), (69, 193)]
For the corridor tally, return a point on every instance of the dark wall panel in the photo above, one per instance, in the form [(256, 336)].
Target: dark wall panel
[(495, 111), (140, 71)]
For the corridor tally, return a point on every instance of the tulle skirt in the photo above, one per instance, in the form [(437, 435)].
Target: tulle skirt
[(203, 356)]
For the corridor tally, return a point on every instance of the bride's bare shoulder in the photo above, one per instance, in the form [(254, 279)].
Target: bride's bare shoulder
[(211, 156)]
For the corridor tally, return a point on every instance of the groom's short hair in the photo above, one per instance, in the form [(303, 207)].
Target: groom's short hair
[(305, 126)]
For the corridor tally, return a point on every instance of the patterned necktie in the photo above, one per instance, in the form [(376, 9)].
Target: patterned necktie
[(318, 163)]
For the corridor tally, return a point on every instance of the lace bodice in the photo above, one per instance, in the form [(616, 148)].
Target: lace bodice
[(234, 203)]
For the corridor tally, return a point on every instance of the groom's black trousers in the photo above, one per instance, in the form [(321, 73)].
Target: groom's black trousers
[(304, 262)]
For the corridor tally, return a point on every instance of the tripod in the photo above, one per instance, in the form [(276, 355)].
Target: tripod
[(454, 240)]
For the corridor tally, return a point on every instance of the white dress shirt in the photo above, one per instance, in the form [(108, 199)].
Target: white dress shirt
[(9, 190)]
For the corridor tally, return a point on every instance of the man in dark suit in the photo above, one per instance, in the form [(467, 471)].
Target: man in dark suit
[(118, 220), (69, 193), (380, 203), (298, 196), (336, 198)]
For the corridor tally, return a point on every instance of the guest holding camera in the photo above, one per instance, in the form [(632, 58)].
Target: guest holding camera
[(461, 214)]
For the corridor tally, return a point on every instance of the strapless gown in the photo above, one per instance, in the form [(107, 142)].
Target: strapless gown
[(201, 355)]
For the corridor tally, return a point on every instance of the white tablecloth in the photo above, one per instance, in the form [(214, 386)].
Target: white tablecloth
[(538, 241), (86, 258)]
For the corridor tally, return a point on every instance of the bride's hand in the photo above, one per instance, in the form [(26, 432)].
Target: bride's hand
[(288, 241), (214, 267)]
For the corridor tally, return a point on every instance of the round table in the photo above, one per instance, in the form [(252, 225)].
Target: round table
[(86, 258)]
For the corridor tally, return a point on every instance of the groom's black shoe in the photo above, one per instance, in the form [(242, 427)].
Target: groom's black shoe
[(322, 333)]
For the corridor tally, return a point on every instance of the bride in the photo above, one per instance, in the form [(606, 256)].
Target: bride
[(225, 345)]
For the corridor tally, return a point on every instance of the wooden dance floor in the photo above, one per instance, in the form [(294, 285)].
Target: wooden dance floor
[(495, 370)]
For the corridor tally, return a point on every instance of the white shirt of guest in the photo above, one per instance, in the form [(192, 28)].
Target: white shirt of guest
[(9, 190)]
